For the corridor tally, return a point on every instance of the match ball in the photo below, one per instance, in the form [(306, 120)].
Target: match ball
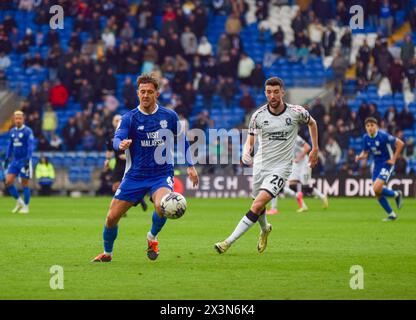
[(173, 205)]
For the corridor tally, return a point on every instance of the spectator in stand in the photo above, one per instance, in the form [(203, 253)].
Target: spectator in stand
[(245, 68), (323, 10), (346, 43), (88, 141), (226, 90), (204, 48), (396, 76), (45, 175), (43, 143), (391, 119), (333, 155), (71, 134), (109, 84), (339, 65), (298, 23), (49, 122), (373, 112), (411, 74), (127, 33), (202, 121), (350, 166), (233, 24), (58, 95), (129, 94), (207, 90), (386, 18), (373, 9), (189, 43), (4, 61), (56, 143), (188, 97), (315, 30), (108, 37), (247, 102), (407, 51), (406, 119), (223, 45), (328, 40)]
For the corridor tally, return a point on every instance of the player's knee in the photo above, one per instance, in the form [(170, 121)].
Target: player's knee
[(158, 209), (111, 220), (257, 207), (377, 191)]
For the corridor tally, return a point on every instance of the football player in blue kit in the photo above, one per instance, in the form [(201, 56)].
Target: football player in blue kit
[(19, 161), (140, 134), (380, 144)]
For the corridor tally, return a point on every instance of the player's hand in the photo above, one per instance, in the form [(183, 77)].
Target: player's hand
[(125, 144), (193, 176), (391, 162), (247, 159), (313, 157)]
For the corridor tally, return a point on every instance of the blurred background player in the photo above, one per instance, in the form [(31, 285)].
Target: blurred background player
[(120, 161), (380, 144), (276, 125), (298, 182), (19, 161), (140, 133)]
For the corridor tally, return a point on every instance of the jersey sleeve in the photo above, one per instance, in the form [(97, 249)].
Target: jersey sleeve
[(390, 139), (30, 144), (364, 144), (180, 134), (302, 115), (253, 126), (122, 131)]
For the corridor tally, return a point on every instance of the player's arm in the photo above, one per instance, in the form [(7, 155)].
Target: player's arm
[(121, 141), (30, 147), (362, 156), (179, 133), (399, 147), (305, 151), (248, 149), (9, 152), (313, 132)]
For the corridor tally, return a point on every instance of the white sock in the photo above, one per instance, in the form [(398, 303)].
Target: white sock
[(244, 224), (289, 192), (274, 203), (392, 214), (150, 236), (318, 193), (263, 221)]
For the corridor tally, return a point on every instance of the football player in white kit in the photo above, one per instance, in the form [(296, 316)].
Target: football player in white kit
[(276, 126), (298, 182)]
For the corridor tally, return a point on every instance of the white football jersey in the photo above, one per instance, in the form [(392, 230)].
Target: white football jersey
[(276, 135)]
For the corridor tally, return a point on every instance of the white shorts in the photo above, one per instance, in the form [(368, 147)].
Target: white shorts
[(301, 172), (271, 181)]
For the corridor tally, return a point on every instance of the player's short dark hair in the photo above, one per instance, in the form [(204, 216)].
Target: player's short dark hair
[(148, 78), (274, 81), (370, 120)]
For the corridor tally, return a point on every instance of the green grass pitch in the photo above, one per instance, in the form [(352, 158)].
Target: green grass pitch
[(309, 255)]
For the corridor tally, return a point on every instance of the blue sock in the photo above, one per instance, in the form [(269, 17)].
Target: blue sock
[(157, 224), (385, 204), (109, 236), (387, 192), (13, 191), (26, 195)]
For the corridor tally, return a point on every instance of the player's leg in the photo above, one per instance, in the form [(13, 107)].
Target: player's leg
[(160, 188), (250, 218), (115, 212), (26, 196), (273, 208), (380, 193), (296, 187), (11, 188), (264, 189)]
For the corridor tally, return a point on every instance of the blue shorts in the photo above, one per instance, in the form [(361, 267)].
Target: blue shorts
[(134, 189), (382, 172), (20, 168)]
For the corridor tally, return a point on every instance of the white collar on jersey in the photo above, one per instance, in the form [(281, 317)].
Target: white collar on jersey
[(154, 111), (21, 128)]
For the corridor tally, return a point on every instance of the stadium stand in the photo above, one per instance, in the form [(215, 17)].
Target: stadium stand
[(307, 48)]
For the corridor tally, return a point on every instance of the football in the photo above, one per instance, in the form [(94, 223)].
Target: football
[(173, 205)]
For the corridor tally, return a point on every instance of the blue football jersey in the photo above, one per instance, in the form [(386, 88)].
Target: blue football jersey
[(149, 137), (381, 146), (21, 144)]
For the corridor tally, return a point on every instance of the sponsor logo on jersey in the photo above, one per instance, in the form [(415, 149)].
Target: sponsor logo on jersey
[(265, 123), (140, 128), (279, 135)]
